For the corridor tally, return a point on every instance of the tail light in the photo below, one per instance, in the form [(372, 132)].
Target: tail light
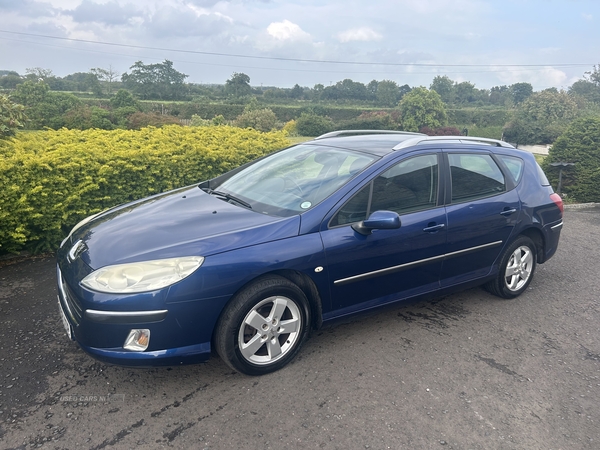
[(556, 199)]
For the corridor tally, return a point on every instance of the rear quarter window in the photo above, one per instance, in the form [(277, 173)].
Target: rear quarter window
[(514, 165), (543, 179)]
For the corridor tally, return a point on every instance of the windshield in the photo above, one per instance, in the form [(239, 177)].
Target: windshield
[(296, 179)]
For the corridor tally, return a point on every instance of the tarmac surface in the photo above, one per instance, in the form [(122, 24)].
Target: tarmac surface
[(461, 372)]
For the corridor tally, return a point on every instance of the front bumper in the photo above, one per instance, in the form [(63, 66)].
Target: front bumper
[(177, 334)]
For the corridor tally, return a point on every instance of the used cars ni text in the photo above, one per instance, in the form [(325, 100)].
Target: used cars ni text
[(246, 264)]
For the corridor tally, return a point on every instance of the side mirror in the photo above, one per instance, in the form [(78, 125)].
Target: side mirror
[(379, 220)]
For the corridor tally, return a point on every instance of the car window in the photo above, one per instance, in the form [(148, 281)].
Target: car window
[(474, 176), (411, 185), (295, 179), (515, 166)]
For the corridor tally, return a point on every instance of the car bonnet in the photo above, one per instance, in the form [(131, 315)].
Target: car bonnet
[(184, 222)]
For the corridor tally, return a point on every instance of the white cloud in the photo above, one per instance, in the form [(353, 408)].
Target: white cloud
[(287, 31), (359, 34), (541, 79), (587, 17)]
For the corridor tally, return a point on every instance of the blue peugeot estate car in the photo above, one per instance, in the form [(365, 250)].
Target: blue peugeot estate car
[(246, 264)]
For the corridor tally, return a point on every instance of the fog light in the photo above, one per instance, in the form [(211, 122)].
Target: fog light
[(138, 340)]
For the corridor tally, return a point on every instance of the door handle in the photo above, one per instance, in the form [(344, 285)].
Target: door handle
[(508, 212), (434, 228)]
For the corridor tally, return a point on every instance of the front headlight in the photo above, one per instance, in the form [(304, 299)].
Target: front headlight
[(142, 276)]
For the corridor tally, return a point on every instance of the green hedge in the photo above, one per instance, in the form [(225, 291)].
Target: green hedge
[(284, 113), (481, 117), (52, 179)]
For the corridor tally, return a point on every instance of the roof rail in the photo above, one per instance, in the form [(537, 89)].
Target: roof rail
[(342, 133), (458, 139)]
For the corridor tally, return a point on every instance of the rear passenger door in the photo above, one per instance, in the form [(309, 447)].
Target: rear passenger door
[(482, 210)]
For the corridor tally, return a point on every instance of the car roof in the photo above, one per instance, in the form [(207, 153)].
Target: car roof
[(382, 142)]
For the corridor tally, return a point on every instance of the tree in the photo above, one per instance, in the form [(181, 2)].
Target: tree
[(317, 91), (38, 74), (155, 81), (9, 80), (31, 93), (297, 92), (346, 90), (387, 93), (422, 107), (579, 144), (445, 87), (238, 85), (466, 92), (12, 116), (520, 92), (549, 106), (84, 82), (541, 118), (123, 99), (108, 76), (594, 75), (586, 90), (43, 107), (404, 89), (500, 95)]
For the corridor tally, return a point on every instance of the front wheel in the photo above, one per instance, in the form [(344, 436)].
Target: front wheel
[(517, 266), (263, 327)]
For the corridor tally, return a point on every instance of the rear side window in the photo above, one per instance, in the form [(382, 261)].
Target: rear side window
[(543, 179), (514, 165), (474, 176)]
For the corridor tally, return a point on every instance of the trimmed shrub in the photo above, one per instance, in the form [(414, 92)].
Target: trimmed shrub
[(372, 120), (440, 131), (579, 144), (259, 119), (52, 179), (313, 125), (291, 128)]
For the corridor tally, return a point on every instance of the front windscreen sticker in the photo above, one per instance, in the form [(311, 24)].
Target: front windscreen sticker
[(305, 205)]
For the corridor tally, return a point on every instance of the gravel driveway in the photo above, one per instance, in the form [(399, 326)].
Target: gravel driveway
[(464, 371)]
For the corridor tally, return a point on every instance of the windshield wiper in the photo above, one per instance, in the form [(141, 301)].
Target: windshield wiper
[(231, 198)]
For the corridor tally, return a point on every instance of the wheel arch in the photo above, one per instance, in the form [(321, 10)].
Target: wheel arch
[(538, 239), (306, 284), (303, 281)]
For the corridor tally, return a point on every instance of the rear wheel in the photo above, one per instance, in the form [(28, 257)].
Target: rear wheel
[(263, 327), (517, 266)]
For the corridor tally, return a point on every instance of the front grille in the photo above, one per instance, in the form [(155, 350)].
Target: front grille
[(73, 304)]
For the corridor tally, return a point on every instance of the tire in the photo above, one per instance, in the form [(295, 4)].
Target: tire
[(263, 327), (516, 270)]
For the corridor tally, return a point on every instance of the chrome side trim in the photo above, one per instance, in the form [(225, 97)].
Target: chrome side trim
[(557, 227), (122, 317), (376, 273), (473, 249)]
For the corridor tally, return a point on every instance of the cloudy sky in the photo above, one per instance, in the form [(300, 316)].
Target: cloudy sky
[(548, 43)]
